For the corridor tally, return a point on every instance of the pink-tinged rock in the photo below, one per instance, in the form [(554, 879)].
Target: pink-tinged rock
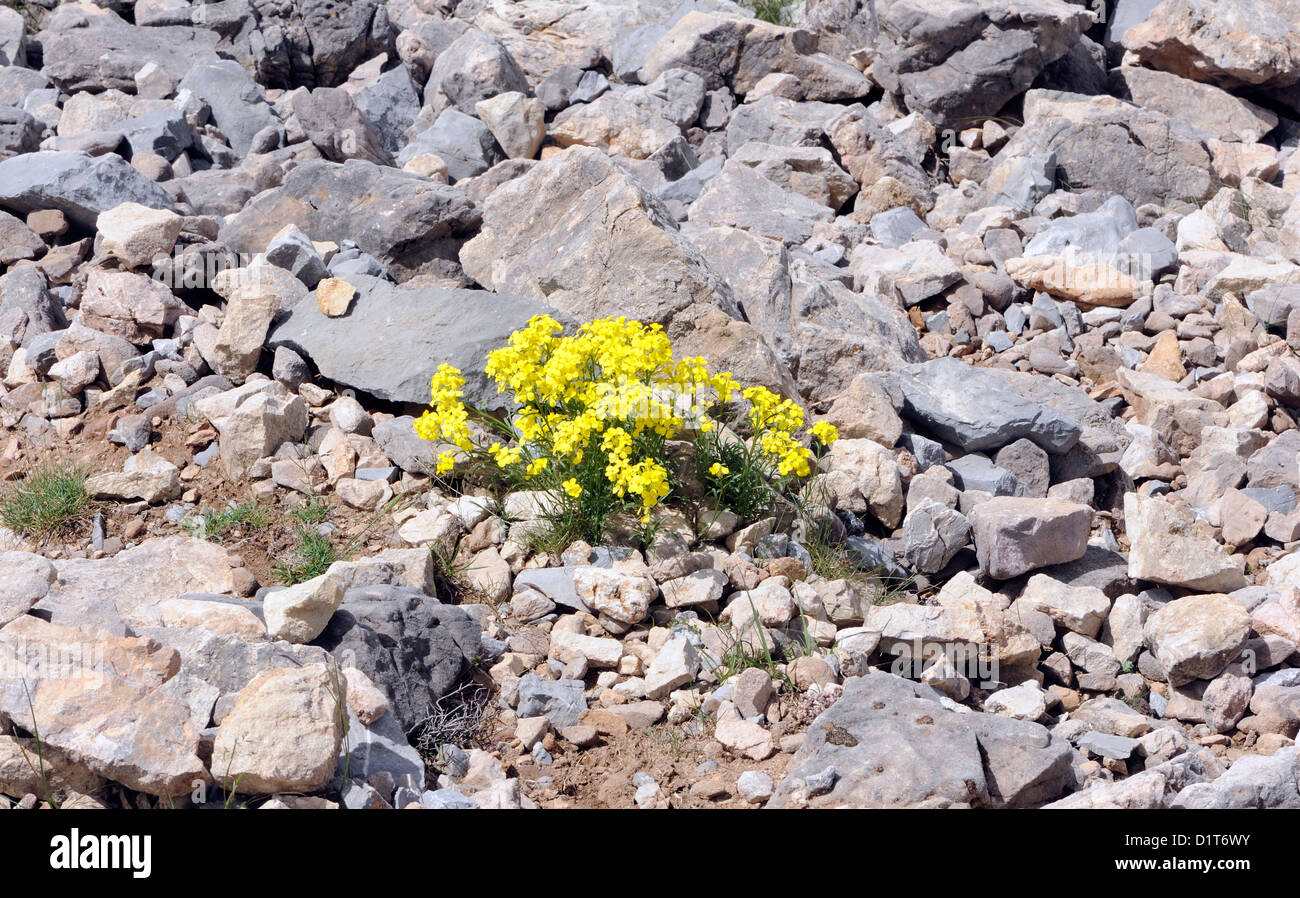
[(1014, 535), (1196, 637), (101, 700)]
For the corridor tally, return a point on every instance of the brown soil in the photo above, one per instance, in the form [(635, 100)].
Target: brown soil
[(359, 533), (600, 776)]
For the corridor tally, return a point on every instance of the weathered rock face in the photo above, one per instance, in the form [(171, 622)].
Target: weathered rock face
[(337, 128), (1168, 547), (473, 67), (1015, 535), (87, 48), (306, 43), (416, 233), (1211, 110), (1250, 43), (420, 329), (79, 185), (825, 333), (893, 745), (965, 58), (739, 52), (1104, 143), (620, 242), (103, 704), (284, 732), (1196, 637), (1081, 609), (411, 646), (157, 570)]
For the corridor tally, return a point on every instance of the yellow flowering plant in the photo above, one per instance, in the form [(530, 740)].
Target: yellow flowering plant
[(749, 476), (594, 413)]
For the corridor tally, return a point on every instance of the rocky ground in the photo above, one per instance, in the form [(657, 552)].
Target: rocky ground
[(1039, 262)]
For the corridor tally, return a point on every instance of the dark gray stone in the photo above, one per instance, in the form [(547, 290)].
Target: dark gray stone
[(462, 141), (164, 133), (978, 472), (79, 185), (294, 252), (379, 748), (976, 410), (337, 128), (408, 222), (411, 646), (396, 437), (391, 104), (958, 64), (303, 43), (236, 102)]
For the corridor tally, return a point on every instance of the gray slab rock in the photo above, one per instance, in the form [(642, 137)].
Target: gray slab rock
[(408, 222), (236, 102), (976, 410), (893, 744), (418, 328), (79, 185)]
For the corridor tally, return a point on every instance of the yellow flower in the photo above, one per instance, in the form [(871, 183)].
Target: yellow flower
[(717, 469), (536, 466), (824, 433), (572, 488), (445, 462)]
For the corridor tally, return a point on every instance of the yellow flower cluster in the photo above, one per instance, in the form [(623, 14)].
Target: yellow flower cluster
[(594, 410), (774, 421), (448, 419)]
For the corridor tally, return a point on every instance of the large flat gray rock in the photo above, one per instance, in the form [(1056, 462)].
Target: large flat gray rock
[(894, 745), (79, 185), (977, 410), (392, 339), (408, 222)]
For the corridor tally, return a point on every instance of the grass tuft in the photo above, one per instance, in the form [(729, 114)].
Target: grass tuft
[(49, 500), (770, 10), (310, 558), (246, 517)]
